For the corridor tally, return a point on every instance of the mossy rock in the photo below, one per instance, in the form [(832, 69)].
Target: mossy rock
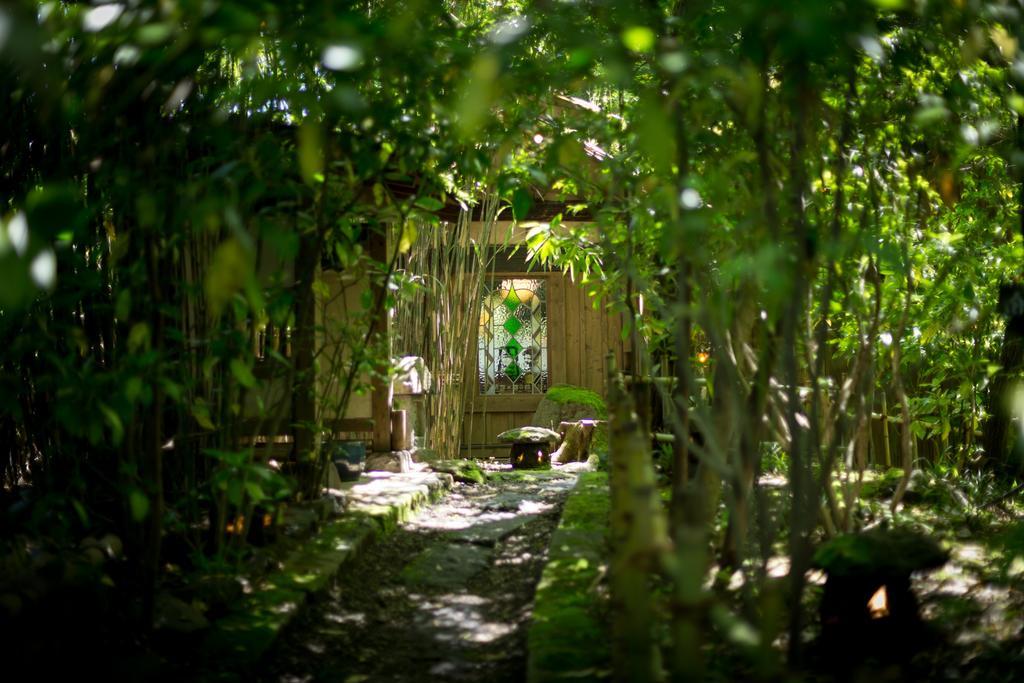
[(567, 403), (465, 471), (449, 566), (529, 435), (880, 552)]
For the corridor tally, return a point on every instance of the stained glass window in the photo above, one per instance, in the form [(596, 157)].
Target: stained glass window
[(513, 340)]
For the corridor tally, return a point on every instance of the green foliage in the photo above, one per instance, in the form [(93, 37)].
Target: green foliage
[(823, 196)]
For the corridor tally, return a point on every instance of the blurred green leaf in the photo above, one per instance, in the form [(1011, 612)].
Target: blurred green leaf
[(408, 238), (138, 504), (242, 373), (138, 337), (521, 203), (201, 412), (311, 152), (638, 39), (429, 203), (113, 421), (230, 269)]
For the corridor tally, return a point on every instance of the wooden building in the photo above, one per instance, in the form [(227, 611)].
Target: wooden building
[(576, 335), (553, 334)]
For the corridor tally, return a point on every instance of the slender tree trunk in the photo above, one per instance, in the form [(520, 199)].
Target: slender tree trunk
[(639, 539), (996, 436), (304, 351)]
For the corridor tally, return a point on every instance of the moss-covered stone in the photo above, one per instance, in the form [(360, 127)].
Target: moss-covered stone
[(465, 471), (527, 475), (447, 566), (567, 393), (599, 442), (881, 552), (564, 402), (881, 484), (427, 455), (568, 637), (528, 435)]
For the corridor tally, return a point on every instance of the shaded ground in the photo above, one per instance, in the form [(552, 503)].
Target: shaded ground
[(972, 607), (446, 596)]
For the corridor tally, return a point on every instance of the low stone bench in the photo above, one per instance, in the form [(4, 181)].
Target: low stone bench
[(531, 446)]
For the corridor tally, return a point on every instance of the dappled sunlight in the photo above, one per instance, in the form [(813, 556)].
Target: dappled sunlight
[(449, 594), (778, 566), (455, 617), (356, 618)]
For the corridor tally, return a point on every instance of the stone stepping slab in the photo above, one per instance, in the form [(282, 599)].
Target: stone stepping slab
[(377, 504), (448, 566)]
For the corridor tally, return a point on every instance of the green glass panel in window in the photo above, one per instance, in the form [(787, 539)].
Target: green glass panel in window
[(512, 301), (513, 348), (512, 371), (512, 325)]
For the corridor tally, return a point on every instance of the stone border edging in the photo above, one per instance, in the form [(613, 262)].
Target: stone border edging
[(237, 642), (569, 638)]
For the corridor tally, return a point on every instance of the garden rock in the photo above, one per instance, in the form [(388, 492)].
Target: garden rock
[(217, 591), (447, 565), (428, 455), (576, 437), (490, 532), (465, 471), (395, 461), (529, 435), (566, 403)]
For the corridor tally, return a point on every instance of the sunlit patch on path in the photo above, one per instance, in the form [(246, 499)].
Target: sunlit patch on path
[(446, 596)]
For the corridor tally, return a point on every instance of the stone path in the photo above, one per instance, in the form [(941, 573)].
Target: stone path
[(447, 596)]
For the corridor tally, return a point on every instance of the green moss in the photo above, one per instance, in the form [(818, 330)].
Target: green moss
[(589, 506), (599, 444), (567, 393), (568, 637), (881, 484), (529, 435), (880, 551), (465, 471), (237, 641), (526, 475)]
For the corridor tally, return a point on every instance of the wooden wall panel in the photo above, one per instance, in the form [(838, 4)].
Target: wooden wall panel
[(557, 329), (596, 346), (573, 334)]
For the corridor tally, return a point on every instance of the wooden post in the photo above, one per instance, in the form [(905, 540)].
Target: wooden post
[(380, 400), (400, 440)]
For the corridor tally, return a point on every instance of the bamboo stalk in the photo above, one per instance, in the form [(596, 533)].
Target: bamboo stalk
[(438, 321)]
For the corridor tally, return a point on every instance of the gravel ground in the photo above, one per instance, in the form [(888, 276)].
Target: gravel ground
[(447, 596)]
